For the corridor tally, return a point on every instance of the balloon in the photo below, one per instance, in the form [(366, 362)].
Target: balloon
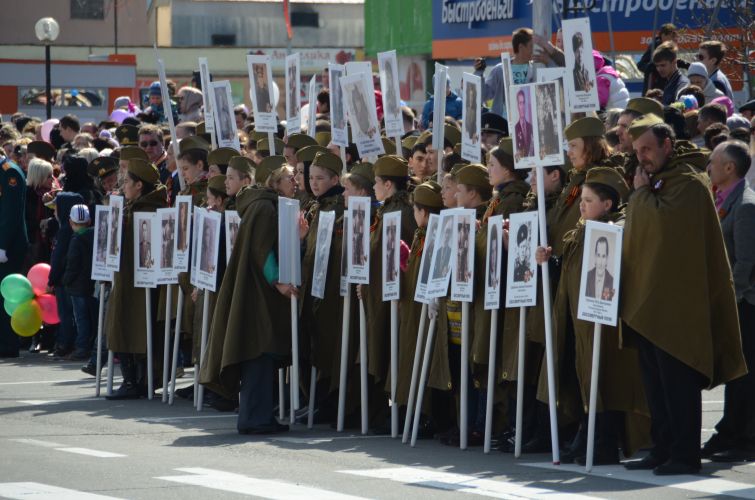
[(38, 276), (16, 288), (49, 307), (47, 128), (118, 115), (10, 306), (26, 319)]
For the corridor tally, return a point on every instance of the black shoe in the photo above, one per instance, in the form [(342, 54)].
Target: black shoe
[(35, 347), (78, 356), (716, 444), (186, 392), (650, 462), (607, 457), (537, 445), (675, 468), (90, 369), (60, 353), (734, 455), (570, 456), (9, 354), (126, 391), (275, 428)]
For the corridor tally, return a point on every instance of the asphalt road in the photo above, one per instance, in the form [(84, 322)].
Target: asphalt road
[(57, 441)]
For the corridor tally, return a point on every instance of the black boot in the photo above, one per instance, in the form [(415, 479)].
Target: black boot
[(130, 388)]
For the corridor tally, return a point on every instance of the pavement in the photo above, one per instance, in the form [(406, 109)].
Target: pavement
[(58, 441)]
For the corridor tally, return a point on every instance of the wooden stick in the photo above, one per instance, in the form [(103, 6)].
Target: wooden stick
[(423, 380), (491, 380), (363, 364), (415, 374), (281, 394), (394, 367), (100, 324), (166, 343), (464, 389), (176, 345), (593, 396), (520, 384), (294, 351), (203, 346), (344, 358), (148, 305)]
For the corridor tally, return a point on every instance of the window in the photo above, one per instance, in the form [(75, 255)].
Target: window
[(88, 9), (305, 19), (224, 39)]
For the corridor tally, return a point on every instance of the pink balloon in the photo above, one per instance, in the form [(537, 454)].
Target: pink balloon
[(47, 128), (49, 307), (118, 115), (38, 276)]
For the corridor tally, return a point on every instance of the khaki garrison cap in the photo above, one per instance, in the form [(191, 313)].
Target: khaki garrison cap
[(323, 138), (298, 141), (217, 183), (364, 170), (428, 194), (264, 145), (328, 161), (193, 142), (645, 105), (608, 177), (267, 166), (131, 152), (391, 166), (144, 170), (389, 146), (308, 153), (643, 124), (221, 156), (242, 164), (473, 175), (585, 127)]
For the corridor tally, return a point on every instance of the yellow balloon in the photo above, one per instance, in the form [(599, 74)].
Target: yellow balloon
[(26, 320)]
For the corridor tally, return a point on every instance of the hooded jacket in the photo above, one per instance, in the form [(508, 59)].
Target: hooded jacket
[(63, 202)]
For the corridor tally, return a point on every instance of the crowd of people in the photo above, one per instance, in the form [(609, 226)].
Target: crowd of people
[(672, 167)]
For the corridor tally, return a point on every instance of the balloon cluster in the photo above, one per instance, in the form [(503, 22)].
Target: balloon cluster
[(26, 302)]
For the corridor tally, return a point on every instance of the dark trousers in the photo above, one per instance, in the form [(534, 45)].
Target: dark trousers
[(85, 315), (738, 422), (673, 390), (9, 341), (67, 326), (257, 398)]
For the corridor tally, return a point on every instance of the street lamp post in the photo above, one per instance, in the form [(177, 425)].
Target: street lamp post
[(47, 31)]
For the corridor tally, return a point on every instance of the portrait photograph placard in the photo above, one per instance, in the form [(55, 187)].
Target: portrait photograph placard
[(580, 67), (261, 92), (359, 240), (232, 221), (339, 132), (183, 233), (312, 117), (521, 115), (116, 233), (462, 275), (420, 293), (440, 82), (494, 247), (521, 278), (209, 245), (322, 252), (557, 75), (344, 285), (391, 255), (289, 261), (293, 94), (550, 133), (204, 77), (471, 118), (226, 133), (146, 245), (99, 252), (196, 224), (443, 255), (601, 273), (166, 225), (360, 107), (391, 91)]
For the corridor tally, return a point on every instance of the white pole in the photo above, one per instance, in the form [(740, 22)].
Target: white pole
[(202, 347), (100, 323), (548, 319), (344, 358), (415, 373), (176, 345), (363, 364), (394, 367), (166, 344), (423, 380), (291, 390), (312, 388), (593, 396), (148, 305), (281, 394), (110, 373), (294, 352), (343, 160), (399, 149), (491, 380), (271, 143), (520, 384), (464, 389)]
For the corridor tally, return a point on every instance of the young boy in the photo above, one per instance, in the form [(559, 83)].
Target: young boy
[(78, 283)]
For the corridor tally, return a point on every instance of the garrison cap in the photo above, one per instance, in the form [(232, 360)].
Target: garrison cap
[(364, 170), (494, 123), (131, 152), (267, 166), (645, 105), (221, 156), (308, 153), (242, 164), (391, 166), (409, 141), (328, 161), (298, 141), (41, 149), (425, 137), (389, 146), (127, 135), (642, 124), (217, 183), (322, 138), (202, 132), (257, 136), (144, 170), (585, 127), (608, 177), (428, 194), (264, 145), (451, 134), (474, 175), (454, 172), (192, 142), (102, 166)]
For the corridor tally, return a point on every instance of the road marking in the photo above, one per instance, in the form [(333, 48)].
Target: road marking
[(323, 440), (49, 381), (38, 442), (39, 491), (158, 420), (91, 453), (40, 402), (461, 483), (701, 484), (264, 488)]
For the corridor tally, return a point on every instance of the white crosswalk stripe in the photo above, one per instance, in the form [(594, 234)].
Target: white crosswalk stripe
[(263, 488), (462, 483), (700, 484), (39, 491), (69, 449)]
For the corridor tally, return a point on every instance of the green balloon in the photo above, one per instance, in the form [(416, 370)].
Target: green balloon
[(16, 288), (11, 306)]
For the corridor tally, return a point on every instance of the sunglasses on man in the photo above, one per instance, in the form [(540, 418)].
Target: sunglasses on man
[(148, 143)]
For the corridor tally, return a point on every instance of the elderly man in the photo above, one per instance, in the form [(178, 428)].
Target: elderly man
[(151, 141)]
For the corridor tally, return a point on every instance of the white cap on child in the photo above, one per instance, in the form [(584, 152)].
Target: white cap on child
[(80, 214)]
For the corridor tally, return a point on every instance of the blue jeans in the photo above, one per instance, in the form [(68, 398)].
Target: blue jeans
[(66, 328), (85, 314)]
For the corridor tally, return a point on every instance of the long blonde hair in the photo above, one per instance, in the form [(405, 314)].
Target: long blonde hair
[(38, 172), (277, 175)]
